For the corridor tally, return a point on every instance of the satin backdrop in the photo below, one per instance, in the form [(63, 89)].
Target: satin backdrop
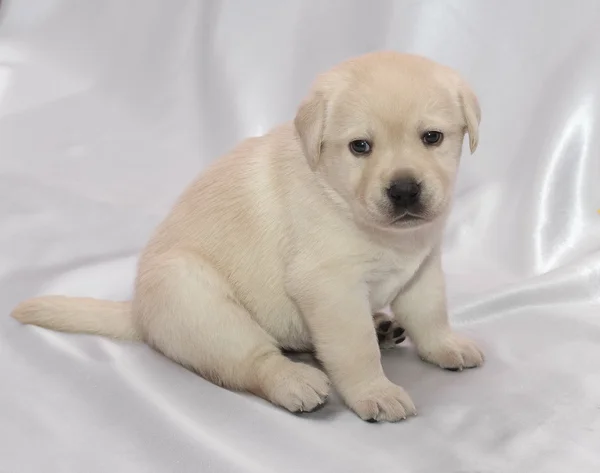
[(108, 109)]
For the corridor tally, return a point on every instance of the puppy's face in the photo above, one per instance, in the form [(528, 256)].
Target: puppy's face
[(386, 131)]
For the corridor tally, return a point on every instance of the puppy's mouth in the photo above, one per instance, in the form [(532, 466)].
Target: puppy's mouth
[(408, 218)]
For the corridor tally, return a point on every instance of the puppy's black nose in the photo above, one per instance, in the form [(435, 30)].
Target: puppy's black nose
[(404, 193)]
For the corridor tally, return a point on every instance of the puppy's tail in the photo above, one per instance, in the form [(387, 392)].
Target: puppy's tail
[(79, 315)]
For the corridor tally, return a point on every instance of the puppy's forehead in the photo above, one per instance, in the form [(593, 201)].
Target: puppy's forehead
[(396, 90), (401, 93)]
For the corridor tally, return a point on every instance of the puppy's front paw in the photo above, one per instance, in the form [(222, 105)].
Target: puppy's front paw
[(389, 332), (381, 401), (452, 352)]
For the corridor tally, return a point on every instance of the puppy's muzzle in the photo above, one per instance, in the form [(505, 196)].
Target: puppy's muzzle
[(405, 195)]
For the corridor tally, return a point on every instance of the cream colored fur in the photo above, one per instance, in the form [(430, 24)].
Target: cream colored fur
[(289, 242)]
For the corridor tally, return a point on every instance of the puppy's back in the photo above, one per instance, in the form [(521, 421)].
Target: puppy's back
[(233, 214)]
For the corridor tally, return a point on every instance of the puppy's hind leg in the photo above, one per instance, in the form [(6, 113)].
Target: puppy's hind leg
[(389, 333), (188, 311)]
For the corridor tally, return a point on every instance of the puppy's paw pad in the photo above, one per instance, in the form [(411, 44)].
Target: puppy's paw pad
[(453, 353), (389, 333), (382, 401), (299, 388)]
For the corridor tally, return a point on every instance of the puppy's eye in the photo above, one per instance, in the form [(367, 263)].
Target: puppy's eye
[(360, 147), (432, 137)]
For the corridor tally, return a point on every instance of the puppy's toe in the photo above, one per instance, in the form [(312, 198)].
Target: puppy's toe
[(389, 333)]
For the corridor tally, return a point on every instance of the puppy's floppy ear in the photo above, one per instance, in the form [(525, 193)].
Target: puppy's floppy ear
[(472, 114), (310, 124)]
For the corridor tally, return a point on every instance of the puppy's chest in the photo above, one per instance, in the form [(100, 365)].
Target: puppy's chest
[(388, 275)]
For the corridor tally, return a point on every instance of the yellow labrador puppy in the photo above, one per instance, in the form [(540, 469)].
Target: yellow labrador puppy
[(294, 239)]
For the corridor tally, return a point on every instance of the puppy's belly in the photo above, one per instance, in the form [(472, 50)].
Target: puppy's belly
[(279, 317), (383, 291)]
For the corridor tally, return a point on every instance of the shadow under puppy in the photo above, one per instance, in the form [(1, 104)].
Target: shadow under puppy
[(294, 239)]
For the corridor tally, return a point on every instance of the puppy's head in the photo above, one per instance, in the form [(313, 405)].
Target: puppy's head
[(385, 131)]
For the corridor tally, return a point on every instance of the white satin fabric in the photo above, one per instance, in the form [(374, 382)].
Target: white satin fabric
[(109, 108)]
